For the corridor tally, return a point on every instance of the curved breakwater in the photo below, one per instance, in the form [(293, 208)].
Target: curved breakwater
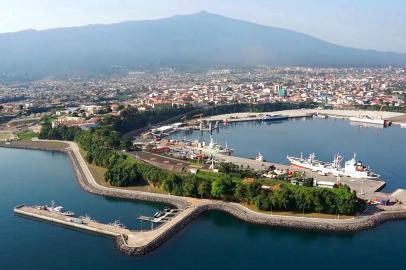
[(163, 233)]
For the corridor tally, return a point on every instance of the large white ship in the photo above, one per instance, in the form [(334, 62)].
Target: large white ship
[(352, 167)]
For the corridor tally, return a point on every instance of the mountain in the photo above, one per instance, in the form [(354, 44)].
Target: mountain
[(196, 40)]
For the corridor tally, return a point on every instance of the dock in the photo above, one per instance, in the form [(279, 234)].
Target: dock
[(57, 218), (395, 117), (365, 188), (131, 239)]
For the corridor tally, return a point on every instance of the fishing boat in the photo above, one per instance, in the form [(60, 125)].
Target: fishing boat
[(352, 168), (118, 224), (58, 209), (218, 148)]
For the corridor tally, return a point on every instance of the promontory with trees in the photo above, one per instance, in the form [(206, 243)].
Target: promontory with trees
[(104, 145)]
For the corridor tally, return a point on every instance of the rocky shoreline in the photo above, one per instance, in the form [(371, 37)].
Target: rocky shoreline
[(234, 209)]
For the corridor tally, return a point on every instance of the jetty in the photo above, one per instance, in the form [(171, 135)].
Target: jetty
[(133, 242)]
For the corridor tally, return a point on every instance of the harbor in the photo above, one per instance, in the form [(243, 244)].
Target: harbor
[(158, 228), (137, 242)]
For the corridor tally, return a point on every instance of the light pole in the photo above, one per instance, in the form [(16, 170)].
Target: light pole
[(362, 187)]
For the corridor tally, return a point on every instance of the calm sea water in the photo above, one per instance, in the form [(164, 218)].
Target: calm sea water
[(213, 241), (383, 150)]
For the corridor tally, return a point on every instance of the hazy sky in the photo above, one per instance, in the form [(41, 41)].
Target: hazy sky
[(373, 24)]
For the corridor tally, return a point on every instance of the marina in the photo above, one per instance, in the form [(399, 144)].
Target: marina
[(133, 242), (276, 141)]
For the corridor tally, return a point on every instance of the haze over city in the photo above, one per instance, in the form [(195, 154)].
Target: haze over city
[(195, 134), (367, 24)]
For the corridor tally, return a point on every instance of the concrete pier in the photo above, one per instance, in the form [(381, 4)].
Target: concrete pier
[(248, 116), (54, 217)]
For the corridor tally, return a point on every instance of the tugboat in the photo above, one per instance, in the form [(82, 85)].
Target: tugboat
[(352, 167)]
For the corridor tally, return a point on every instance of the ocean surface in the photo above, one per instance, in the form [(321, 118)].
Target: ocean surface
[(213, 241), (383, 149)]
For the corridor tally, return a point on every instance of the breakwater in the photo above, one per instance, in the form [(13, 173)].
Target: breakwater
[(137, 243)]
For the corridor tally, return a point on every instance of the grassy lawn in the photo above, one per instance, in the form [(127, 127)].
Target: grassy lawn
[(27, 135), (295, 214), (212, 176)]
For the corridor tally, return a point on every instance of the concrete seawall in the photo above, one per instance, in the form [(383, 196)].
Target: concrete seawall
[(136, 243)]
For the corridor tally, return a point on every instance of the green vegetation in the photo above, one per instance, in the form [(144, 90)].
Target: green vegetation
[(27, 135), (263, 107), (234, 170), (233, 183), (131, 119)]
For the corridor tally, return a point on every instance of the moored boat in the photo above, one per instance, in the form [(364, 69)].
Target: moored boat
[(275, 117), (260, 158), (352, 167), (58, 209)]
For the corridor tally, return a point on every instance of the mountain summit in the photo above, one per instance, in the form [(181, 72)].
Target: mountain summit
[(196, 40)]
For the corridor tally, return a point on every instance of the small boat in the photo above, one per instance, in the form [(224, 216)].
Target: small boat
[(321, 116), (58, 209), (118, 224), (260, 158), (275, 117)]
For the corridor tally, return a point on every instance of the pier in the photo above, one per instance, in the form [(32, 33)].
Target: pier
[(139, 242), (142, 242), (396, 118)]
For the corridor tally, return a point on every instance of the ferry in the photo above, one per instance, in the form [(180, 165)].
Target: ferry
[(352, 168), (275, 117)]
